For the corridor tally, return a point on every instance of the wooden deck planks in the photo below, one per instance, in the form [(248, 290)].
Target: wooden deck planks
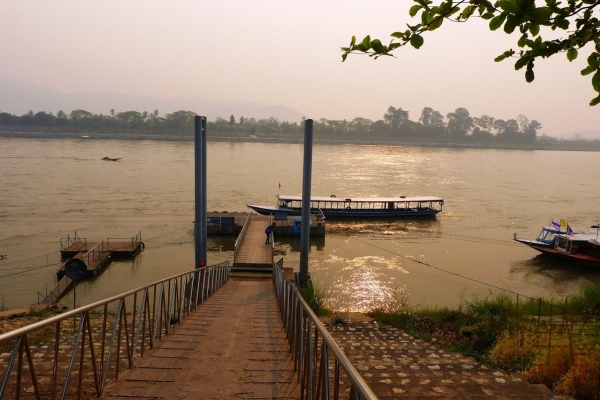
[(253, 249), (232, 354)]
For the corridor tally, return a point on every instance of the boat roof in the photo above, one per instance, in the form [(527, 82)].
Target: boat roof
[(286, 197), (579, 234)]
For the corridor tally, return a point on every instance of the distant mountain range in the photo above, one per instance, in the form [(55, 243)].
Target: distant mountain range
[(18, 97)]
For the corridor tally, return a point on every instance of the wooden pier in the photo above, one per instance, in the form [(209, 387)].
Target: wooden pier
[(94, 255), (233, 347), (230, 223), (252, 254)]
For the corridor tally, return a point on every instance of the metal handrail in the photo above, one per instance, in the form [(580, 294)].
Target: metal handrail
[(311, 347), (320, 216), (240, 237), (69, 241), (135, 240), (163, 304)]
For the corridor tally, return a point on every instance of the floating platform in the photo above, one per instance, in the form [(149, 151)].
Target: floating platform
[(94, 256), (226, 223)]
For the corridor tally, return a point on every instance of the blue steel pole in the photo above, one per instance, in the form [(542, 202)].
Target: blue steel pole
[(204, 198), (197, 190), (306, 185)]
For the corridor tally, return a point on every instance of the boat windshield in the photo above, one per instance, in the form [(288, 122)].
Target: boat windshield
[(546, 236), (563, 244)]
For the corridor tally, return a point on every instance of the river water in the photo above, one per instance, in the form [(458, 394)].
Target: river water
[(50, 188)]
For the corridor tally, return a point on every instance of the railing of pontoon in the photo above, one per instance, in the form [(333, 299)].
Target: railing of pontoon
[(240, 237)]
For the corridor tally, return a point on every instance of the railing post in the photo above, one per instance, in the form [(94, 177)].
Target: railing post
[(88, 352)]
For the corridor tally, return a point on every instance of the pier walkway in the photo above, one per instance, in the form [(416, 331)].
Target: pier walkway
[(252, 254), (234, 346)]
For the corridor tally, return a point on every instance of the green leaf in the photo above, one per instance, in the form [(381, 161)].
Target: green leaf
[(540, 14), (416, 41), (504, 55), (425, 17), (562, 23), (529, 76), (525, 5), (353, 41), (523, 61), (488, 15), (452, 11), (534, 29), (398, 35), (511, 24), (497, 22), (572, 54), (596, 81), (344, 56), (467, 12), (595, 101), (588, 70), (509, 6), (592, 60), (522, 40), (366, 41), (414, 10), (436, 23), (378, 47)]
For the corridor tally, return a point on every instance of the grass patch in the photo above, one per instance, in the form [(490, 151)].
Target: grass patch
[(316, 296), (555, 342)]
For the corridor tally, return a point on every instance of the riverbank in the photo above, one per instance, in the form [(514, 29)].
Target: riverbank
[(550, 144), (392, 362)]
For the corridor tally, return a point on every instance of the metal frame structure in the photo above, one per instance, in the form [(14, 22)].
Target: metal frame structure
[(240, 237), (139, 318), (314, 350)]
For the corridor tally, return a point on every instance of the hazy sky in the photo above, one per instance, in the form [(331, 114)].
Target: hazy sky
[(284, 52)]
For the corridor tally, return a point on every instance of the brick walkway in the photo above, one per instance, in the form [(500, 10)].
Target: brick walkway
[(396, 365), (233, 346)]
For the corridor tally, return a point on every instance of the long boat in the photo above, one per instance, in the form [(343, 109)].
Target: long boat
[(357, 207), (579, 245)]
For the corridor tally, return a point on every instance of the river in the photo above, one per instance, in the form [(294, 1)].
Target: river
[(50, 188)]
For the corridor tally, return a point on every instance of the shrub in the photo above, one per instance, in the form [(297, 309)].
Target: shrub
[(515, 354), (551, 364), (583, 378), (316, 296)]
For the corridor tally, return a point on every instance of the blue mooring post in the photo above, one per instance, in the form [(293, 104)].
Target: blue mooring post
[(200, 190), (306, 185)]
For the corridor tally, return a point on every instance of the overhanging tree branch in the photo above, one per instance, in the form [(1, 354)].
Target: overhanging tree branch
[(578, 18)]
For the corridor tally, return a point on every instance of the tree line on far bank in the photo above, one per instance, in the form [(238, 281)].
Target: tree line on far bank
[(432, 127)]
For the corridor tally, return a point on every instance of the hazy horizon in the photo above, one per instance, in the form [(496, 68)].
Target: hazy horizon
[(286, 54)]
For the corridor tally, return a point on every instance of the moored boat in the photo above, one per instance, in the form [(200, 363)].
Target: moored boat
[(345, 207), (580, 245)]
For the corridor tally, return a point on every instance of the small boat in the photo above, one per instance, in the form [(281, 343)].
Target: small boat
[(576, 244), (111, 159), (344, 207)]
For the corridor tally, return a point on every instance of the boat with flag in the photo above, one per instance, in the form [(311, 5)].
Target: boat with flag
[(559, 239), (356, 207)]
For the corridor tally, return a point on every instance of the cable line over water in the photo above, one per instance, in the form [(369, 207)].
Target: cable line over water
[(447, 271)]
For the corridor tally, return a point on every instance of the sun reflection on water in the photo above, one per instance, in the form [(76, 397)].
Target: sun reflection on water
[(360, 284)]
